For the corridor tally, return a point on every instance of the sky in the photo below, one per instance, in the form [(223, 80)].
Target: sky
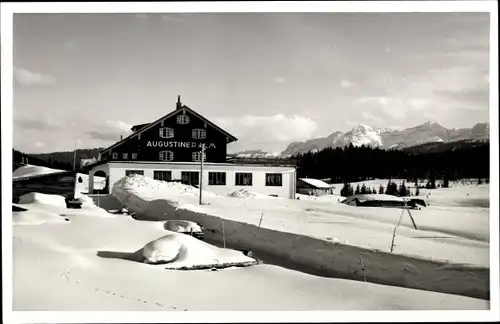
[(267, 78)]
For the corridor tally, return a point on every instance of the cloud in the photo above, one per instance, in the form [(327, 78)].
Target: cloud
[(69, 44), (38, 144), (29, 78), (279, 80), (395, 107), (346, 84), (273, 128), (35, 124), (371, 117), (110, 131)]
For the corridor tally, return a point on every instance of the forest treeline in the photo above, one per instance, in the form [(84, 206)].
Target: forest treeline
[(351, 164)]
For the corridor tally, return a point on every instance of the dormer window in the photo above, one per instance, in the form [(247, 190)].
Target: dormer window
[(199, 133), (183, 119), (166, 132), (125, 156), (115, 156), (166, 156)]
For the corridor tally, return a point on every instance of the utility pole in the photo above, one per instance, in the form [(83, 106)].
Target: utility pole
[(74, 152), (201, 170)]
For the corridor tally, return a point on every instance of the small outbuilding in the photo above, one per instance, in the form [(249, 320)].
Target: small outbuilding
[(314, 187)]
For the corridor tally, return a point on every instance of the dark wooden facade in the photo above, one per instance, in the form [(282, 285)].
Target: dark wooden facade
[(60, 183), (145, 144)]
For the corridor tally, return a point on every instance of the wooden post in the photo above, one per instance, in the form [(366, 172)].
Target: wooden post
[(223, 234), (201, 171), (261, 217), (411, 217), (74, 152), (394, 232)]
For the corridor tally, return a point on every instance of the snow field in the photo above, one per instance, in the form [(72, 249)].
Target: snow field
[(88, 265), (282, 234)]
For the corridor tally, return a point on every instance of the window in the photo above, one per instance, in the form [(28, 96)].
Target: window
[(162, 175), (132, 172), (197, 156), (243, 179), (166, 132), (199, 133), (166, 155), (274, 179), (190, 177), (115, 156), (217, 178), (134, 156), (183, 119), (125, 156)]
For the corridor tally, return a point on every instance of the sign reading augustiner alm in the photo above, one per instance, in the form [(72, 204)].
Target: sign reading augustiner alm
[(170, 144)]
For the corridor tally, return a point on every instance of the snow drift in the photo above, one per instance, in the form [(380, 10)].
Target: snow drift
[(43, 199), (344, 261), (184, 252), (37, 217), (182, 226), (244, 193)]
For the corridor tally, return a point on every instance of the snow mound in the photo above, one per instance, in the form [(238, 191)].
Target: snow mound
[(89, 208), (244, 193), (181, 251), (154, 189), (380, 197), (37, 217), (33, 170), (182, 226), (43, 199)]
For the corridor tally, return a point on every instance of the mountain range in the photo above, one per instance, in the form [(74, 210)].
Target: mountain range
[(384, 138), (425, 137)]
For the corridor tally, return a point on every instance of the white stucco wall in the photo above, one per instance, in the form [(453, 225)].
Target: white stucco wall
[(91, 182), (116, 171)]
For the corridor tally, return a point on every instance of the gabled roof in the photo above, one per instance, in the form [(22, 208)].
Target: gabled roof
[(174, 112)]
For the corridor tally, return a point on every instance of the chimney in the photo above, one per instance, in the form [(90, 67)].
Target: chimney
[(178, 102), (121, 137)]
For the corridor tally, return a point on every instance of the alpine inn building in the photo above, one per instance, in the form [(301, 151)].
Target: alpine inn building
[(169, 149)]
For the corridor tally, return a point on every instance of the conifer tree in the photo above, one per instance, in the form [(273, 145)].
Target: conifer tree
[(402, 190), (346, 190), (392, 189), (363, 190), (357, 191), (381, 190), (417, 192), (446, 181)]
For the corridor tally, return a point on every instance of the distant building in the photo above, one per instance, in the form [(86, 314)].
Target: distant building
[(314, 187), (85, 162), (169, 149)]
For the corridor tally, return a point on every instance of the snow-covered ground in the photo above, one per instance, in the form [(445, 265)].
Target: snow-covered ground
[(446, 233), (89, 263)]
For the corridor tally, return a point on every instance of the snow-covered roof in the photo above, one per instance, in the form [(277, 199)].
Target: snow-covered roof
[(316, 183)]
